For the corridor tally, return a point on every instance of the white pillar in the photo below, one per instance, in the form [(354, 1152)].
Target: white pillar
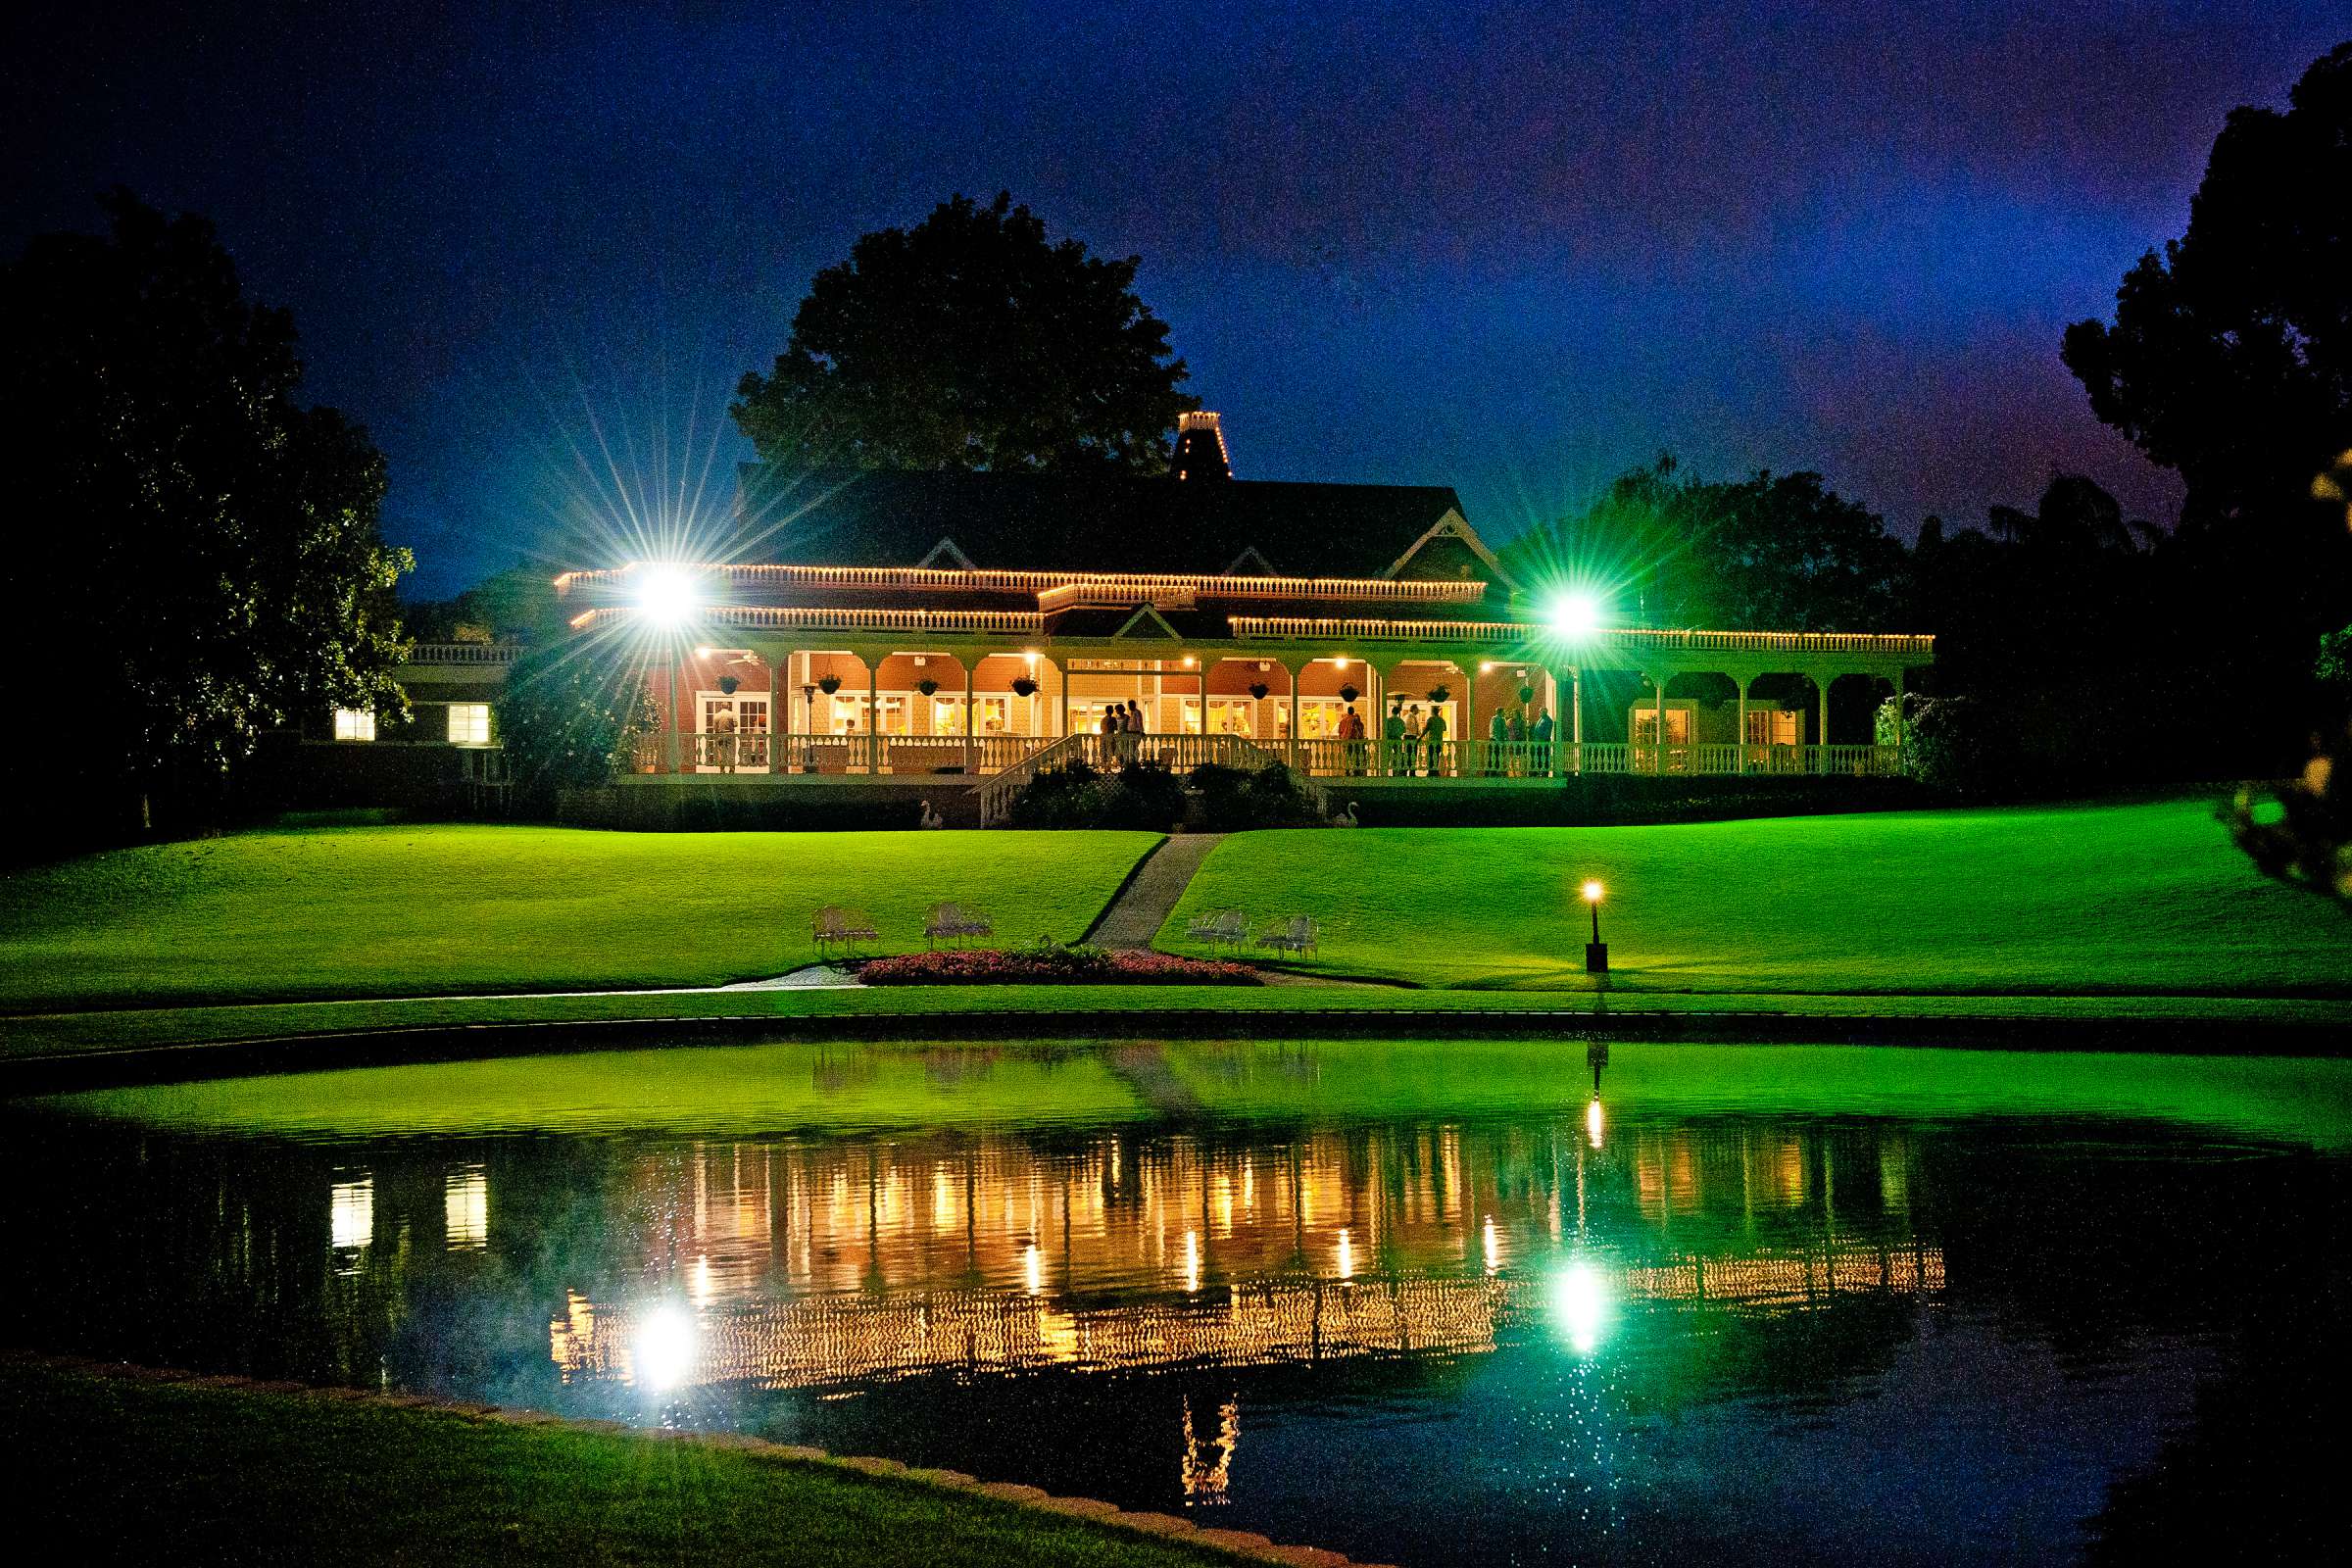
[(1821, 687), (1659, 756), (1740, 734), (873, 715)]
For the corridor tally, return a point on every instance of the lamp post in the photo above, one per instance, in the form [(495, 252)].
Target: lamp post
[(1596, 952)]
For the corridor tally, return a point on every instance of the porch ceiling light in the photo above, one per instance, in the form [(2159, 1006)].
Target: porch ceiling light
[(665, 596), (1574, 616)]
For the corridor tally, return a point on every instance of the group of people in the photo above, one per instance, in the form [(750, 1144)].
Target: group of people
[(1124, 726), (1415, 744)]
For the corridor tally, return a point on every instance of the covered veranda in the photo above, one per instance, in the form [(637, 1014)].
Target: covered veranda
[(849, 692)]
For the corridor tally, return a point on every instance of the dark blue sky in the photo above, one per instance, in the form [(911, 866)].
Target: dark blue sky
[(1514, 248)]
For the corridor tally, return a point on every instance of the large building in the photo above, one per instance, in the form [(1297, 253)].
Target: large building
[(914, 624), (957, 631)]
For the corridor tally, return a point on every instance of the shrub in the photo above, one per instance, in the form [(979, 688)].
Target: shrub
[(1957, 743), (1235, 799), (1051, 963), (1144, 795)]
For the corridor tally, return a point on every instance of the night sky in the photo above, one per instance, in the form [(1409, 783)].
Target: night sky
[(1514, 248)]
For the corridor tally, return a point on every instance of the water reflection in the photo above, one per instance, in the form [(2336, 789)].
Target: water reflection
[(1611, 1330)]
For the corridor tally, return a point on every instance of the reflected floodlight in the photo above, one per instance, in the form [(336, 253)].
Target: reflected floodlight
[(665, 596), (1574, 616), (1580, 1305), (664, 1348)]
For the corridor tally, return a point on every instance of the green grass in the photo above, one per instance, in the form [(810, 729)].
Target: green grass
[(1073, 1010), (759, 1090), (2103, 900), (391, 911), (175, 1473)]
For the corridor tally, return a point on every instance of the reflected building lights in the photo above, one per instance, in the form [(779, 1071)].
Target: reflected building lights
[(1033, 1270), (465, 1208), (1593, 1122), (1347, 1255), (1494, 1247), (351, 1213), (1192, 1263)]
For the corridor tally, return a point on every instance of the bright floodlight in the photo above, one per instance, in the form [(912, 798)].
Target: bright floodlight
[(1574, 616), (665, 596), (1592, 892)]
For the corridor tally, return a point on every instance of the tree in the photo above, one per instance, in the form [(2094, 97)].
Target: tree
[(2229, 360), (969, 342), (571, 717), (1771, 551), (181, 527), (2231, 355)]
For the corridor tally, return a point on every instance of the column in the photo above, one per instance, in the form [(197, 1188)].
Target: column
[(1821, 686), (1660, 764), (1468, 740), (1062, 678), (971, 694), (671, 739), (1293, 670), (776, 721), (1740, 734), (873, 715)]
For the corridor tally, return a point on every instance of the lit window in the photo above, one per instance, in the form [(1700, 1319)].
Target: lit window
[(353, 724), (470, 723)]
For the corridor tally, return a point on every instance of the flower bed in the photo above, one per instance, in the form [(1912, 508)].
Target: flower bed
[(1051, 965)]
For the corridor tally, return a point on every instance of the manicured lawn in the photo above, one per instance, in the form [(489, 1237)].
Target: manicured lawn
[(390, 911), (1074, 1012), (110, 1470), (2137, 899), (762, 1091)]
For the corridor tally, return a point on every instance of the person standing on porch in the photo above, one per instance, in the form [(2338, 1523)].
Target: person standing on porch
[(1499, 730), (1392, 734), (1518, 763), (1413, 741), (1432, 740), (1540, 733), (1351, 733), (1131, 732), (1110, 726), (722, 740)]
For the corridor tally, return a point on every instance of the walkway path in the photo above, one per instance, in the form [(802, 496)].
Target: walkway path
[(1143, 904)]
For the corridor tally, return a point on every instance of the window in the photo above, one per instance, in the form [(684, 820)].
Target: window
[(352, 724), (470, 723)]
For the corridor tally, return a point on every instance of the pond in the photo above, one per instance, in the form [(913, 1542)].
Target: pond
[(1422, 1303)]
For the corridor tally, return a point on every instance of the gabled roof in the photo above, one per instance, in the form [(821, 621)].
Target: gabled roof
[(1096, 522)]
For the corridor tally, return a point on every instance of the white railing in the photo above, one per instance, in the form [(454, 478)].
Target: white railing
[(1511, 633), (1008, 761), (499, 654), (1133, 585), (773, 617), (884, 754), (996, 796), (1325, 758)]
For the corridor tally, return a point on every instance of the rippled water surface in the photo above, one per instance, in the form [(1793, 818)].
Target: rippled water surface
[(1421, 1303)]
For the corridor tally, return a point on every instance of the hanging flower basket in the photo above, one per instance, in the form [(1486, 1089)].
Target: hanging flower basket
[(1527, 695), (727, 684), (1258, 690), (1440, 694), (1023, 686), (927, 686), (828, 684), (1349, 694)]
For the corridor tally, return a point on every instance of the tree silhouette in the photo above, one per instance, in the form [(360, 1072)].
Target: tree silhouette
[(2231, 355), (969, 341), (180, 524)]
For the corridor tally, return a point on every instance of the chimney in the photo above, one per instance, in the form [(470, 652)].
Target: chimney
[(1200, 448)]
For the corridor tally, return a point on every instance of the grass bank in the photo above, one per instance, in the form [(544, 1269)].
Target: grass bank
[(162, 1472), (340, 1028), (2138, 899), (389, 911)]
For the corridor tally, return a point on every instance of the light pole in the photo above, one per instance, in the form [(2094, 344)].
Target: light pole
[(1596, 952)]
